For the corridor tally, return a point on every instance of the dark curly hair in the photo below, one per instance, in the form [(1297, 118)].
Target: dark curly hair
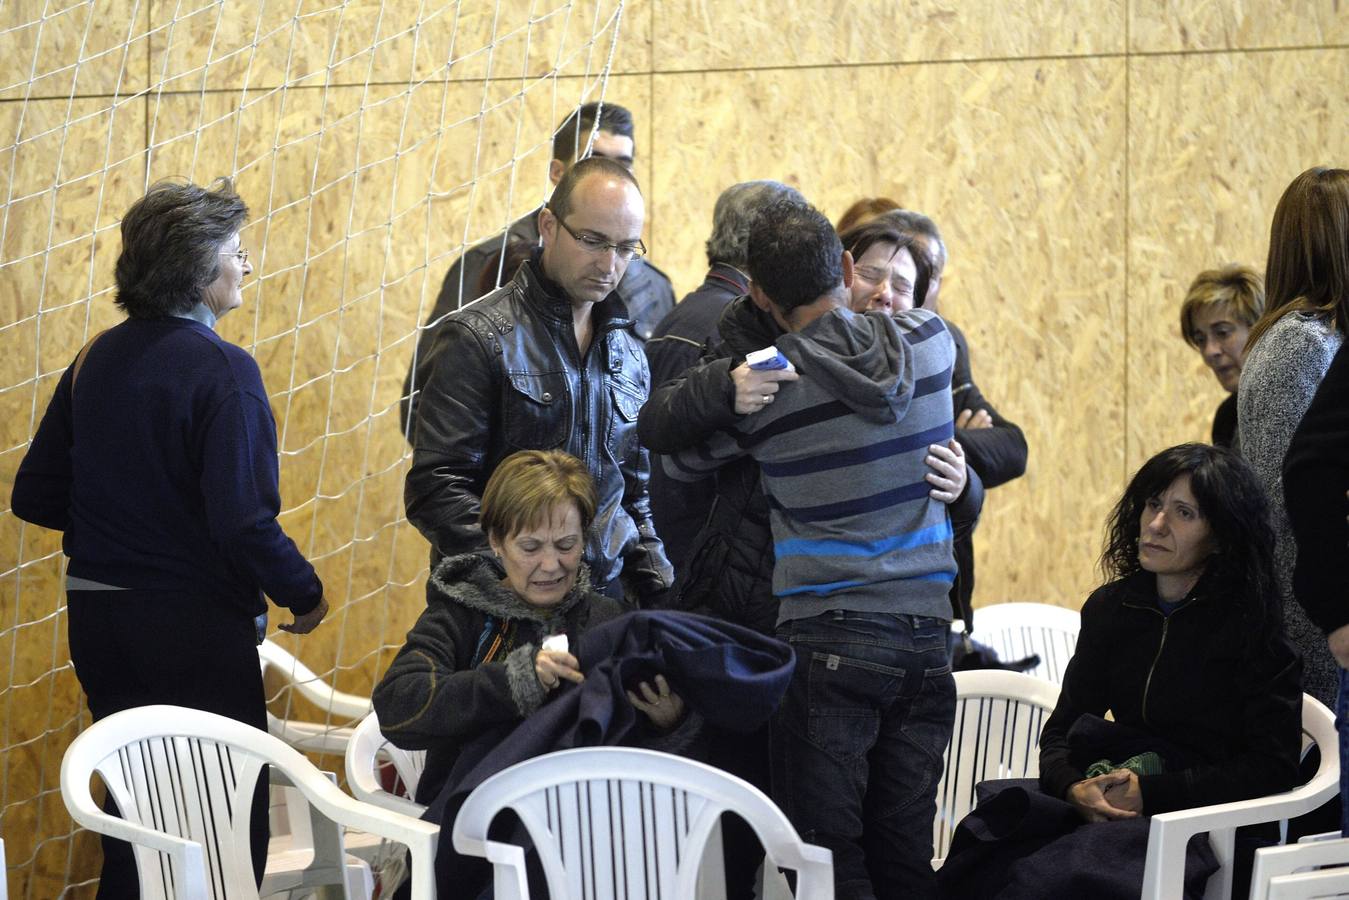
[(171, 240), (1233, 504)]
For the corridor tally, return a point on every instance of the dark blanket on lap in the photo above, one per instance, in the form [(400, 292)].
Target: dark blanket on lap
[(1021, 843), (732, 676)]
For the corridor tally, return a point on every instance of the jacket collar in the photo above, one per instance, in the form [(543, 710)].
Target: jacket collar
[(477, 581), (545, 294), (1140, 589), (726, 277)]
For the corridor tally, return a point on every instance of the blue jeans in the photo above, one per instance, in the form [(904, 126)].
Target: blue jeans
[(857, 746)]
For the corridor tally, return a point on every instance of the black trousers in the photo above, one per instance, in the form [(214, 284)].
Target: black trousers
[(746, 756), (138, 648)]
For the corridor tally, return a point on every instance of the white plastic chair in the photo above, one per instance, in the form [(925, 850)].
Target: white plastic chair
[(364, 754), (999, 716), (184, 780), (311, 737), (614, 821), (1315, 867), (1170, 832), (1016, 630), (292, 843)]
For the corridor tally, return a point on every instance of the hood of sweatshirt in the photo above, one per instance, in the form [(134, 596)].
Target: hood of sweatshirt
[(861, 360)]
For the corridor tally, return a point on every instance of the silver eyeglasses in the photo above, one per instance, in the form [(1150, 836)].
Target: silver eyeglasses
[(241, 255), (594, 244)]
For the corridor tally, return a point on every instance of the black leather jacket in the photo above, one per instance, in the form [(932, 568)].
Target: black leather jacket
[(645, 291), (513, 379)]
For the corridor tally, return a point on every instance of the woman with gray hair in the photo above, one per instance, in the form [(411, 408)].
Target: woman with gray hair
[(157, 458)]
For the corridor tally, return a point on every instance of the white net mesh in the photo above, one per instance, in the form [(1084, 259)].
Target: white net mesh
[(373, 142)]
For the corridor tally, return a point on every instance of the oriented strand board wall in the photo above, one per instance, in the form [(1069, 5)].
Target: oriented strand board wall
[(1083, 160)]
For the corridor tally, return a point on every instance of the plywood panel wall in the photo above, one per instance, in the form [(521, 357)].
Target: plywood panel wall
[(1214, 140), (1083, 161), (1023, 165)]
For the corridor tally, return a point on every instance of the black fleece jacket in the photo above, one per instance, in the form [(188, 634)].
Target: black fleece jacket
[(1315, 478), (468, 664), (1228, 700)]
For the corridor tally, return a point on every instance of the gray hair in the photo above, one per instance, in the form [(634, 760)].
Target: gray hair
[(171, 240), (734, 214)]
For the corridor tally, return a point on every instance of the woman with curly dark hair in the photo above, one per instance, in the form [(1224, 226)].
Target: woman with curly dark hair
[(1185, 648)]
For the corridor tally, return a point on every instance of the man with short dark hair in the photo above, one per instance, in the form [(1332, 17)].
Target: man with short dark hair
[(644, 290), (863, 555), (546, 362), (679, 509)]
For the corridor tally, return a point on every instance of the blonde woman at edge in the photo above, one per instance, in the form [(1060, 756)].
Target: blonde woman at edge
[(1220, 308)]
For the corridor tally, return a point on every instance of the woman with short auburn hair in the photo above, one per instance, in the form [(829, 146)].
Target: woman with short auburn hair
[(1216, 317), (476, 658), (1289, 350), (157, 458)]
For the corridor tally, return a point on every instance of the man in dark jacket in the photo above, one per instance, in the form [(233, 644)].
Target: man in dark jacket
[(644, 289), (679, 510), (549, 362)]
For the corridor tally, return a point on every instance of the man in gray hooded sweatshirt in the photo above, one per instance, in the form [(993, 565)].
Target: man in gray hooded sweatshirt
[(864, 556)]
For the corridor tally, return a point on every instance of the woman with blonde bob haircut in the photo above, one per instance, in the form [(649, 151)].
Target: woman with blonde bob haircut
[(479, 655), (1216, 318), (1291, 347)]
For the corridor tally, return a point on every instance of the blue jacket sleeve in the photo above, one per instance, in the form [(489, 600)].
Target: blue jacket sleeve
[(240, 483), (42, 485)]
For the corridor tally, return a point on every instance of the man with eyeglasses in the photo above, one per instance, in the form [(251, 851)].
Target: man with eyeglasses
[(549, 362), (644, 289)]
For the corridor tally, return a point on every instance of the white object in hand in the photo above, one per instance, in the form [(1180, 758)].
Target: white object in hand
[(557, 642), (769, 358)]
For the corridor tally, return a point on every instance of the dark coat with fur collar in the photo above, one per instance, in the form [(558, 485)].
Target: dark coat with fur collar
[(468, 664)]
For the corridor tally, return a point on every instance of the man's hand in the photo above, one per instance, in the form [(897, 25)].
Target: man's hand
[(754, 388), (1089, 796), (309, 621), (1339, 645), (948, 475), (974, 419), (551, 666)]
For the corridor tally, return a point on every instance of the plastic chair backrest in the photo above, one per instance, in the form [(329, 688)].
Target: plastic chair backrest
[(184, 781), (1016, 630), (310, 737), (999, 716), (614, 822), (1315, 868), (364, 754), (1170, 833)]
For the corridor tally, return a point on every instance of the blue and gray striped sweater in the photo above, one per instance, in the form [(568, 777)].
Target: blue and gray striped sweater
[(842, 452)]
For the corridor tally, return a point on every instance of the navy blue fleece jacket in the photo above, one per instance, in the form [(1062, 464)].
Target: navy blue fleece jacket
[(161, 469)]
